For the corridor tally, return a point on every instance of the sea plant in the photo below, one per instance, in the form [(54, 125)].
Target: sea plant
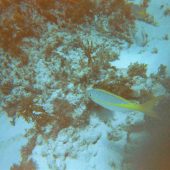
[(166, 83), (79, 12), (6, 87), (88, 49), (18, 23), (28, 165), (136, 69), (161, 75), (167, 11)]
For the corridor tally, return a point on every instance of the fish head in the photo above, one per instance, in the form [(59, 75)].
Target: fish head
[(90, 93)]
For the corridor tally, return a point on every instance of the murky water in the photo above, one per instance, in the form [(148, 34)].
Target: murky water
[(84, 85)]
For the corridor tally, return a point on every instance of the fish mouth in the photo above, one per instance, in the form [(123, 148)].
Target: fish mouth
[(88, 92)]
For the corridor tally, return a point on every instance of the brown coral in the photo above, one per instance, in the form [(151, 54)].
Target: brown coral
[(80, 11), (19, 21), (6, 88), (137, 69), (29, 165), (26, 151)]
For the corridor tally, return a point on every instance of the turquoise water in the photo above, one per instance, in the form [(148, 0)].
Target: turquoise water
[(53, 53)]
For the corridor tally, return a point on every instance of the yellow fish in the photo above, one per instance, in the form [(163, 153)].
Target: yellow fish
[(113, 102)]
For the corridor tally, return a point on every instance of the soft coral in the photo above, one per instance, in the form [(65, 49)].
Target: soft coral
[(45, 7), (19, 21), (77, 12)]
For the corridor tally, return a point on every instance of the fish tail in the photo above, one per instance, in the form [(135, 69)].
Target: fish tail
[(149, 107)]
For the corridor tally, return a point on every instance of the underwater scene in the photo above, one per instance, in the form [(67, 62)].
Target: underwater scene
[(84, 85)]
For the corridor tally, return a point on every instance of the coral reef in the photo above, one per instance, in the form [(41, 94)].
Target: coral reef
[(162, 77), (50, 58), (26, 151), (29, 19), (24, 19), (167, 11), (6, 88), (19, 21), (137, 69), (140, 13), (29, 165), (166, 83), (85, 11)]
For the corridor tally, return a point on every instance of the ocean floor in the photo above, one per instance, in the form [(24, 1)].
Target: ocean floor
[(48, 121)]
